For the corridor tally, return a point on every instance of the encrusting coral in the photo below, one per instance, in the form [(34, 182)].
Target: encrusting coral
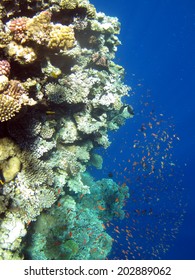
[(60, 95)]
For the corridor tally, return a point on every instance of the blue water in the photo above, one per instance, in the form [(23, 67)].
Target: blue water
[(157, 53)]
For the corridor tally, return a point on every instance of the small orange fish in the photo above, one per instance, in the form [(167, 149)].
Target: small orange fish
[(101, 208), (116, 230), (104, 227)]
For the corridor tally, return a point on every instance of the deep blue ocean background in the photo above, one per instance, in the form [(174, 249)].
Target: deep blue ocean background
[(157, 52)]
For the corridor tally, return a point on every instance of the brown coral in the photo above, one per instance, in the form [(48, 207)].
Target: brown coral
[(100, 60), (4, 68), (12, 99), (18, 28)]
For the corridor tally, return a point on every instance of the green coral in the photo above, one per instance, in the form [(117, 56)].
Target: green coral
[(79, 231), (69, 249)]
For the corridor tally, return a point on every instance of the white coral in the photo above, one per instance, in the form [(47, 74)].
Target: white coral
[(68, 133), (12, 229), (87, 124), (77, 185)]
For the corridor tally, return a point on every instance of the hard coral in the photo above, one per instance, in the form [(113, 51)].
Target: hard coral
[(61, 37), (39, 28), (12, 99), (20, 53), (61, 53), (18, 27), (41, 31), (11, 168), (66, 4), (8, 107), (91, 11), (4, 68)]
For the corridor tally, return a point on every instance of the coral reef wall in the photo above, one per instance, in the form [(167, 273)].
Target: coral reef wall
[(60, 95)]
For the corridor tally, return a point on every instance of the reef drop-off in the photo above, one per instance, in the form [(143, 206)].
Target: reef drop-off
[(60, 94)]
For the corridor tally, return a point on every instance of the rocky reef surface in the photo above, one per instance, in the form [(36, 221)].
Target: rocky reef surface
[(60, 95)]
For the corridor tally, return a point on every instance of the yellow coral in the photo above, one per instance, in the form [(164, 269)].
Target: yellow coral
[(67, 4), (4, 38), (22, 54), (73, 4), (43, 32), (61, 37), (91, 11), (3, 82), (39, 27), (8, 107), (7, 148), (11, 168)]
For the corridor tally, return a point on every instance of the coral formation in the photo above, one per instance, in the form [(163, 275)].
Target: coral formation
[(79, 231), (60, 95), (4, 68), (12, 94), (11, 169)]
